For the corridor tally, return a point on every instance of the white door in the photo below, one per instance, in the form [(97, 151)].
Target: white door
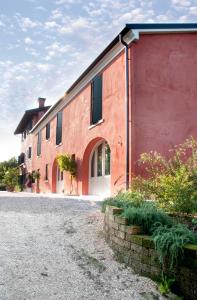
[(59, 182), (99, 171)]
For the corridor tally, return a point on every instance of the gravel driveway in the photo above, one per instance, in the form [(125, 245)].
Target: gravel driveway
[(53, 248)]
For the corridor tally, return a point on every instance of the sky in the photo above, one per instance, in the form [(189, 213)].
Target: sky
[(46, 44)]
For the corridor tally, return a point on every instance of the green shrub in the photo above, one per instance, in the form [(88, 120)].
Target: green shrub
[(172, 182), (169, 241), (11, 178), (146, 216), (165, 284), (124, 200)]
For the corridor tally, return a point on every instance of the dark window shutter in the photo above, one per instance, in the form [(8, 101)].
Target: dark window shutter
[(97, 99), (59, 128), (29, 152), (39, 144), (47, 131), (46, 172)]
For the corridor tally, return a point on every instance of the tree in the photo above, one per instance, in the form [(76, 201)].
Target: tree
[(4, 166)]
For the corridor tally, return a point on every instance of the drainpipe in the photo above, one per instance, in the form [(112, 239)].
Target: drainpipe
[(126, 108)]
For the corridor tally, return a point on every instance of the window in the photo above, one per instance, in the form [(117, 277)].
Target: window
[(99, 161), (24, 135), (46, 172), (107, 159), (96, 99), (59, 128), (48, 131), (29, 152), (92, 164), (39, 137)]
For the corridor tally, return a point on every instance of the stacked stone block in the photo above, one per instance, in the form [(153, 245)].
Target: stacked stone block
[(138, 252)]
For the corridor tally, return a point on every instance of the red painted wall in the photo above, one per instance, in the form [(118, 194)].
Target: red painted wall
[(164, 91), (79, 139)]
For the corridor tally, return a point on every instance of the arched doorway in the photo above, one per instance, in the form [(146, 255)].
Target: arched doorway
[(99, 170), (59, 181)]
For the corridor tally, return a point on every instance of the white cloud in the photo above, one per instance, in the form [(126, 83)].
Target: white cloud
[(183, 3), (2, 24), (56, 14), (193, 10), (26, 23), (41, 8), (28, 41), (51, 25), (56, 49)]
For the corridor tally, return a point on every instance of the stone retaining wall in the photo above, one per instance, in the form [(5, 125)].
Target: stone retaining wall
[(138, 252)]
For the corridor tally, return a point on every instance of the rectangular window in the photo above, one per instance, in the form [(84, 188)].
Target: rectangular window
[(29, 152), (59, 128), (48, 131), (99, 160), (46, 172), (39, 137), (93, 165), (107, 159), (96, 99)]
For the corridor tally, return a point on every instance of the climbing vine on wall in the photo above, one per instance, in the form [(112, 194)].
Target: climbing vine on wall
[(67, 162)]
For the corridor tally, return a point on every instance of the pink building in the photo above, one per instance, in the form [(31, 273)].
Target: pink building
[(139, 94)]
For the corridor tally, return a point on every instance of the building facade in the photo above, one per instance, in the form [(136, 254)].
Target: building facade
[(140, 94)]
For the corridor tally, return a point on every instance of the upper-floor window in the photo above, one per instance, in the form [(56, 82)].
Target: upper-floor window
[(29, 152), (39, 137), (48, 131), (96, 99), (59, 128)]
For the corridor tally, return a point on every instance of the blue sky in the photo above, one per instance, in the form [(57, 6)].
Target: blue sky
[(46, 44)]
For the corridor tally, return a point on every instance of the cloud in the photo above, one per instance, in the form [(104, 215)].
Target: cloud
[(193, 10), (56, 14), (51, 24), (26, 23), (56, 49), (40, 8), (28, 41), (183, 3)]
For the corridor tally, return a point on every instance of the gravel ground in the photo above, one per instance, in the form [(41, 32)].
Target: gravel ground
[(53, 248)]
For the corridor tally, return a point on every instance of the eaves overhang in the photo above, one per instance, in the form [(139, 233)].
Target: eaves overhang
[(133, 30), (26, 117)]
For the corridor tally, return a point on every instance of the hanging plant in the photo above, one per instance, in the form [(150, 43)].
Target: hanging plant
[(36, 175), (67, 163)]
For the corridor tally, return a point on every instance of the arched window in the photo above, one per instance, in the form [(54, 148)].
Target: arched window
[(100, 161)]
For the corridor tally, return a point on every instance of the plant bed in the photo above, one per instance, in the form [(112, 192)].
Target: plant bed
[(141, 252)]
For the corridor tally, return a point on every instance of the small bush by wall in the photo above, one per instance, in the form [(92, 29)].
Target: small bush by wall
[(138, 251)]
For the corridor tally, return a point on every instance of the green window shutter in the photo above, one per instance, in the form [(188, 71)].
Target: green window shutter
[(47, 131), (59, 128), (39, 137), (96, 99)]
